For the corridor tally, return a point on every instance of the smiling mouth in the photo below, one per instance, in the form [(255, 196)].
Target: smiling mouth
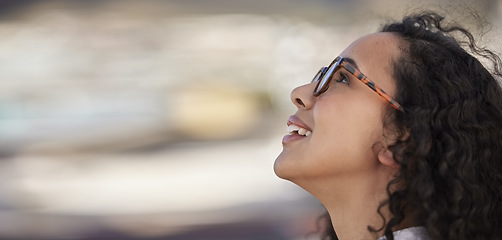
[(294, 129)]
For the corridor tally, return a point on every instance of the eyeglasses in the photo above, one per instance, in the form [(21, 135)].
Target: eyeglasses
[(326, 74)]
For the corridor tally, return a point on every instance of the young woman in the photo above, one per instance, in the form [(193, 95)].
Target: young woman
[(400, 137)]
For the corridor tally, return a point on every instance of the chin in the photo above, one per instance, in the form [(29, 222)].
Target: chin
[(286, 167), (280, 168)]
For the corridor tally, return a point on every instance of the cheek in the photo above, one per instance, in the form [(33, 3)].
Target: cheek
[(345, 131), (344, 138)]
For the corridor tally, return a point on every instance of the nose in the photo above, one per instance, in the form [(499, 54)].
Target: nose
[(303, 97)]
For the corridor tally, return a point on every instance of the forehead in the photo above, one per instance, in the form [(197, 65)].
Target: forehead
[(373, 54), (375, 46)]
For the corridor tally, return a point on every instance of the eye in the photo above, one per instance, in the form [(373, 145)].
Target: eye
[(342, 78)]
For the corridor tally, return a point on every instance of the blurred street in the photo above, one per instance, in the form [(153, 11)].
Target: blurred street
[(161, 192)]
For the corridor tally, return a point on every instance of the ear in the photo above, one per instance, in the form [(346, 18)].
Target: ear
[(386, 158)]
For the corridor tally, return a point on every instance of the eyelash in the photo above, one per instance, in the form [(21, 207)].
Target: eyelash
[(343, 79)]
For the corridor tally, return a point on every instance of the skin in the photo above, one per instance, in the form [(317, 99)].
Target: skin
[(345, 162)]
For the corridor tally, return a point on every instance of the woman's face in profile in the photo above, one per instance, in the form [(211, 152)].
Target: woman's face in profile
[(342, 128)]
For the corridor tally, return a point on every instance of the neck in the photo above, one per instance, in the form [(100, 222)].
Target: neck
[(352, 214), (353, 202)]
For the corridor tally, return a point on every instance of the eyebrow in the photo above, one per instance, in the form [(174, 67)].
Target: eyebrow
[(351, 61)]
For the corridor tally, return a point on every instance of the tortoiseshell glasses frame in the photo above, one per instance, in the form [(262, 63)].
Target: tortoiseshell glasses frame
[(324, 76)]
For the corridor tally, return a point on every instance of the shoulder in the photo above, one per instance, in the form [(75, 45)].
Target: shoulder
[(413, 233)]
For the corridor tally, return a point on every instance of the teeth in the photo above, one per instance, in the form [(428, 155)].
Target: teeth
[(292, 129), (301, 131)]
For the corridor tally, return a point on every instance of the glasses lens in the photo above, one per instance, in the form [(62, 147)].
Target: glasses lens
[(318, 76), (323, 84)]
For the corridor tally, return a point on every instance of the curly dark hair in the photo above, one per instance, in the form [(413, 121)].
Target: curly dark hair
[(450, 147)]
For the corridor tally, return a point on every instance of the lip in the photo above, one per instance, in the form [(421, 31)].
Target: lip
[(294, 120)]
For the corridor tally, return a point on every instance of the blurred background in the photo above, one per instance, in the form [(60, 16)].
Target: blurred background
[(123, 119)]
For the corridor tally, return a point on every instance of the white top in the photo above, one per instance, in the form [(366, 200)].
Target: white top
[(412, 233)]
